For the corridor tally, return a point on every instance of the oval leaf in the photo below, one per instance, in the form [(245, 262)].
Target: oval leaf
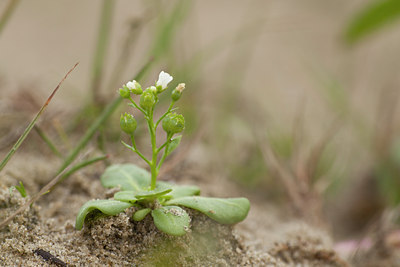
[(222, 210), (141, 214), (126, 196), (106, 206), (174, 144), (172, 220), (127, 176), (179, 191)]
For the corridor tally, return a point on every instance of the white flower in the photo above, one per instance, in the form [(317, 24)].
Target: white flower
[(163, 80), (131, 85)]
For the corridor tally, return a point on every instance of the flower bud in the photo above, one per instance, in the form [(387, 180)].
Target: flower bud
[(128, 123), (173, 123), (124, 92), (147, 99), (177, 92), (153, 89), (135, 87)]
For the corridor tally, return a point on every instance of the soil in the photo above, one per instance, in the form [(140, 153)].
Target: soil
[(45, 234)]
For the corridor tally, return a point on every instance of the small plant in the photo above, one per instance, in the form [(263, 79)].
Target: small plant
[(20, 188), (140, 189)]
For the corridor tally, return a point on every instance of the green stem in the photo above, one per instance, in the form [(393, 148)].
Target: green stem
[(165, 114), (163, 145), (169, 137), (153, 165), (137, 106), (12, 4), (137, 151)]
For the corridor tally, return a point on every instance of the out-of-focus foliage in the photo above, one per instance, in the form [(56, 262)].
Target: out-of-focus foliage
[(387, 173), (372, 18)]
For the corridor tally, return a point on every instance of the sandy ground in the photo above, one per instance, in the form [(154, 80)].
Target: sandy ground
[(265, 238)]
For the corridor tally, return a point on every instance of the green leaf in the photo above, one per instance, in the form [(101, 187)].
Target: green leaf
[(128, 176), (222, 210), (173, 145), (179, 191), (152, 193), (372, 18), (106, 206), (172, 220), (126, 196), (141, 214), (133, 196)]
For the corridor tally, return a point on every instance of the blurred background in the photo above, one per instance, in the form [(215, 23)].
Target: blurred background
[(296, 101)]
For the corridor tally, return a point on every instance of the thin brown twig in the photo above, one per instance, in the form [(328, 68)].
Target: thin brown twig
[(274, 163), (32, 123), (298, 129), (319, 148), (47, 188)]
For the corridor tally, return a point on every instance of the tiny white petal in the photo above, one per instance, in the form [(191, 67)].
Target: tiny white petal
[(153, 89), (164, 79), (131, 85)]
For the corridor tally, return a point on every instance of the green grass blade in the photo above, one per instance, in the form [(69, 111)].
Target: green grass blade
[(167, 28), (33, 122), (372, 18), (101, 47), (12, 4), (126, 50), (91, 131), (47, 140), (81, 165)]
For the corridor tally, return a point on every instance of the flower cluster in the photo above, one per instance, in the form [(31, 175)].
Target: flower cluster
[(172, 123)]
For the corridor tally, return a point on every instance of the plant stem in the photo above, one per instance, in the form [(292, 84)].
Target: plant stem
[(166, 113), (163, 145), (137, 106), (169, 137), (153, 165), (137, 151)]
